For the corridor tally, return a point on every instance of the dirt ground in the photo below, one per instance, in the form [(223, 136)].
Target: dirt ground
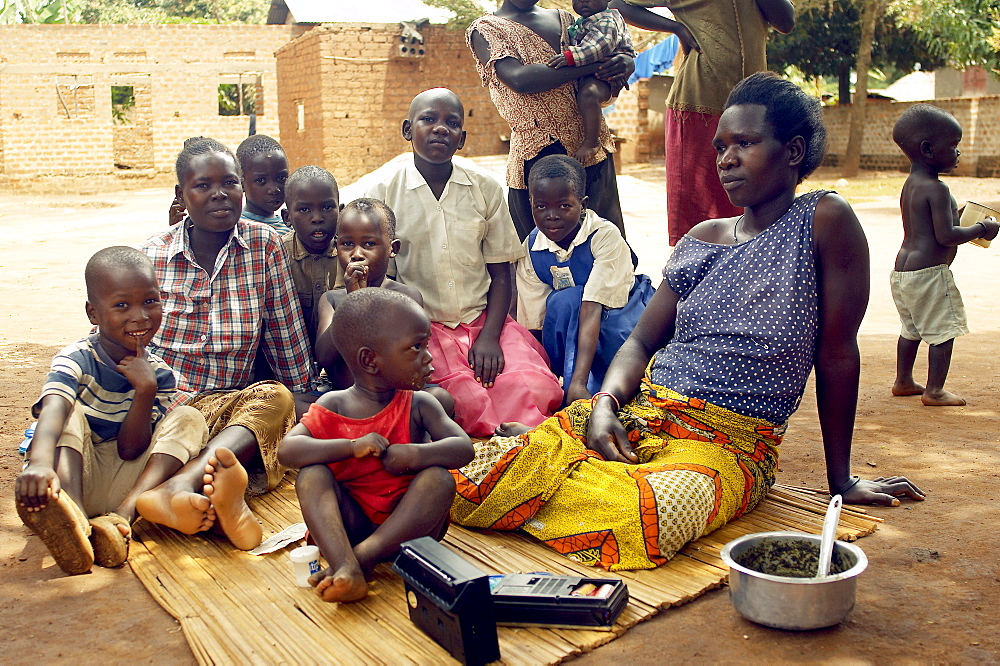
[(930, 591)]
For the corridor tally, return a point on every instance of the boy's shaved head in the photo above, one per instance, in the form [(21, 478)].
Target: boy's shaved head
[(118, 257), (308, 174), (422, 99), (364, 318), (919, 123), (373, 208), (257, 143)]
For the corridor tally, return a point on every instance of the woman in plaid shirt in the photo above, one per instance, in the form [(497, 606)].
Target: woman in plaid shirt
[(227, 291)]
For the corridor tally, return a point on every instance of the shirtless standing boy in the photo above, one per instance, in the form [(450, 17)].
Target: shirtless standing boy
[(930, 307)]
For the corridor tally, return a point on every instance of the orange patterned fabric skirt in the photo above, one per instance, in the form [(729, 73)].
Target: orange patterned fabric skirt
[(700, 466)]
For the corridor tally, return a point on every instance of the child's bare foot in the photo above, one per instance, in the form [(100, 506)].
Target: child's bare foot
[(941, 398), (109, 535), (345, 584), (586, 153), (181, 510), (907, 388), (225, 483), (511, 429)]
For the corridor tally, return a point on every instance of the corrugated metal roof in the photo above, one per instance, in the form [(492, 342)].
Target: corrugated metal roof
[(363, 11)]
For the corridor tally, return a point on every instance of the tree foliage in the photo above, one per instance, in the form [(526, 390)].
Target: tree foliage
[(826, 38), (961, 32), (133, 11)]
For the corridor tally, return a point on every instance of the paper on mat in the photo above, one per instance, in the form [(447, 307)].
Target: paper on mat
[(295, 532)]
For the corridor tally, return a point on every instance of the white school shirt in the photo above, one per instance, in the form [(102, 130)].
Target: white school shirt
[(445, 244), (610, 280)]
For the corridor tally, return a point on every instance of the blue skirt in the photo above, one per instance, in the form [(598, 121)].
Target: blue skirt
[(561, 328)]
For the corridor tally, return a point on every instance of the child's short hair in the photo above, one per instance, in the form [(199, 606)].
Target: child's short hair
[(256, 143), (310, 172), (917, 124), (790, 111), (117, 256), (560, 166), (364, 318), (374, 207), (198, 145)]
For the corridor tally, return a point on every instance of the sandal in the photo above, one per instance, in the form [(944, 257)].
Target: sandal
[(63, 528), (110, 545)]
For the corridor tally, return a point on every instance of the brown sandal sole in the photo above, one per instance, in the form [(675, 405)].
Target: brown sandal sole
[(110, 547), (64, 529)]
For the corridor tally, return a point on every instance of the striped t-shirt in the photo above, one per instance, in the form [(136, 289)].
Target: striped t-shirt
[(84, 373)]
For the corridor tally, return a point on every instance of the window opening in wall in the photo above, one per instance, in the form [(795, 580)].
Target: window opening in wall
[(122, 104), (300, 117), (75, 95), (241, 95)]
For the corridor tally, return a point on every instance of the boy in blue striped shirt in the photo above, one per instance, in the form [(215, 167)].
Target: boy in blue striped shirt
[(104, 435)]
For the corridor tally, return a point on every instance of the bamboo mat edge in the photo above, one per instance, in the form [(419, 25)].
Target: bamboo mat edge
[(204, 584)]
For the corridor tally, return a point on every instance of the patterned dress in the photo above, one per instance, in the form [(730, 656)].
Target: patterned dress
[(700, 464)]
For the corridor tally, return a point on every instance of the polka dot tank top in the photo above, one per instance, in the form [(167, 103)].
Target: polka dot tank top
[(747, 318)]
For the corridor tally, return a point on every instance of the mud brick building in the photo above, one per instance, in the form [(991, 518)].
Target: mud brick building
[(85, 100), (345, 88)]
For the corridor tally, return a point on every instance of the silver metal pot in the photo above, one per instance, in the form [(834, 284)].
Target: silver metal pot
[(788, 601)]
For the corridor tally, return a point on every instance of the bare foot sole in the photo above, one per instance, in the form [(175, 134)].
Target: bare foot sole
[(182, 510), (345, 584), (109, 535), (907, 389), (511, 429), (225, 484), (942, 399), (64, 529)]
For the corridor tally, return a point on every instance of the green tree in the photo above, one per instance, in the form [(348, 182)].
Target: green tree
[(962, 32), (40, 11), (826, 41)]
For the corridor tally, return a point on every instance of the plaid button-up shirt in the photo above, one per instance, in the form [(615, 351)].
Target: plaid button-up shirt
[(214, 322), (597, 37)]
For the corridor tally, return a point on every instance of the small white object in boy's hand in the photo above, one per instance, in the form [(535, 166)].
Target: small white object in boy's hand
[(295, 532)]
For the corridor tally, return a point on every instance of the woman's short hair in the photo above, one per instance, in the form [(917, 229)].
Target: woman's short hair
[(791, 112)]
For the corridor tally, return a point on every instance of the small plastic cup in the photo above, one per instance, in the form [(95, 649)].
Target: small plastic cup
[(305, 562)]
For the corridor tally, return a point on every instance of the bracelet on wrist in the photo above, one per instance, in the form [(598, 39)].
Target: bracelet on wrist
[(854, 481), (985, 230), (597, 395)]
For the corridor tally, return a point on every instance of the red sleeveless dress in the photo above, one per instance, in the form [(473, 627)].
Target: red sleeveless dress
[(365, 479)]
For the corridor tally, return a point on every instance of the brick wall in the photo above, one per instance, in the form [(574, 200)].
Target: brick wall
[(978, 116), (55, 94), (351, 93)]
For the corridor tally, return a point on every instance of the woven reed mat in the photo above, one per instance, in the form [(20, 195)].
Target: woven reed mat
[(239, 608)]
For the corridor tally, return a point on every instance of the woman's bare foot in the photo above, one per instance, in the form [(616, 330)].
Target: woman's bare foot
[(907, 388), (345, 584), (225, 483), (511, 429), (179, 509), (941, 398)]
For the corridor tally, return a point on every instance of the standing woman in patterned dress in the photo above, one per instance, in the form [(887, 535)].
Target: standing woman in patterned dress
[(512, 48)]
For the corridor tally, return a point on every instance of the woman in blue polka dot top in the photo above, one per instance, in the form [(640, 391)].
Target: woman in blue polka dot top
[(747, 307)]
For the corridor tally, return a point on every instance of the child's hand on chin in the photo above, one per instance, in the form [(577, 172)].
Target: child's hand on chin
[(372, 444), (355, 276)]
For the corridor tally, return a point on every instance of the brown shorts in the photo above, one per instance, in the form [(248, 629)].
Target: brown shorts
[(107, 479)]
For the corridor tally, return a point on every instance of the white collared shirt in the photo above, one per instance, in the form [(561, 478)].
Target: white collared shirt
[(610, 280), (445, 244)]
